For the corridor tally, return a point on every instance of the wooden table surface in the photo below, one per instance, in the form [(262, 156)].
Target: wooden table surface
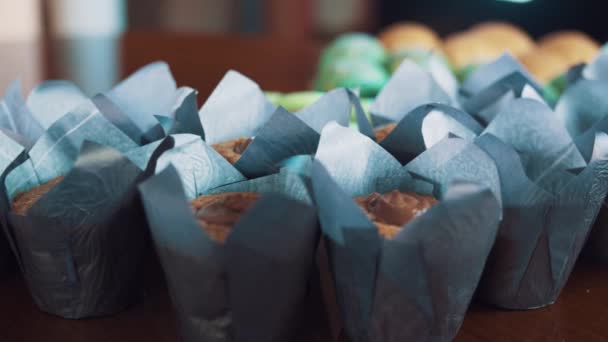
[(581, 314)]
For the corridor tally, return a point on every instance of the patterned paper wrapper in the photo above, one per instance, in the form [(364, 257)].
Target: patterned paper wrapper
[(552, 185), (552, 189), (418, 285), (197, 268), (252, 287), (80, 245), (18, 131), (582, 108)]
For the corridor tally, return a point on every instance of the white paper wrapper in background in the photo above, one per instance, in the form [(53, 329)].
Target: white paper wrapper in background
[(492, 86), (425, 126), (409, 87), (583, 109), (598, 68), (551, 196), (487, 74)]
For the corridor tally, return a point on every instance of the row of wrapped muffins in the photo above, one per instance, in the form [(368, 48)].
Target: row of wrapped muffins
[(437, 198), (363, 61)]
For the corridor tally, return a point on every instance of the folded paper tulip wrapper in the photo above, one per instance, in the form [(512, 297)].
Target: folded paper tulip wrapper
[(13, 154), (19, 130), (409, 87), (583, 109), (598, 68), (277, 134), (418, 285), (551, 196), (551, 184), (425, 126), (80, 246), (249, 289), (488, 74), (198, 269), (489, 88)]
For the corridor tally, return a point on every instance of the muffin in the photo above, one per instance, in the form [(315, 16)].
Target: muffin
[(79, 235), (408, 35), (232, 150), (225, 256), (465, 49), (393, 210), (217, 214), (573, 47), (543, 65), (383, 132), (25, 200), (505, 36)]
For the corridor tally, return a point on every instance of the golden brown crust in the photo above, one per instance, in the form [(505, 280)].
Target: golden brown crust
[(504, 36), (405, 35), (218, 213), (25, 200), (393, 210), (231, 150), (544, 66), (387, 231), (566, 38), (572, 46), (384, 131), (464, 49)]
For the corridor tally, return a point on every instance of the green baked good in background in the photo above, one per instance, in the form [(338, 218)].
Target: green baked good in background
[(273, 96), (353, 45), (352, 73)]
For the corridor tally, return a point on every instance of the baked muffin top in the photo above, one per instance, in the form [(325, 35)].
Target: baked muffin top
[(232, 149), (25, 200), (384, 131), (217, 214), (393, 210)]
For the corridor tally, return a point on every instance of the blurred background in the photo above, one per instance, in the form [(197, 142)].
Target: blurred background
[(95, 42)]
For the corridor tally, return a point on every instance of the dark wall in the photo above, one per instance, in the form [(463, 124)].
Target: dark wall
[(537, 17)]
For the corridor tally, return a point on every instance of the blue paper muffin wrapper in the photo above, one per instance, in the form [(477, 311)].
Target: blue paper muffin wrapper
[(252, 287)]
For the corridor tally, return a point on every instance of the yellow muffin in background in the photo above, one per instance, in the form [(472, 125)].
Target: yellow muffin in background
[(505, 35), (572, 46), (543, 65), (546, 59), (464, 49), (406, 35)]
